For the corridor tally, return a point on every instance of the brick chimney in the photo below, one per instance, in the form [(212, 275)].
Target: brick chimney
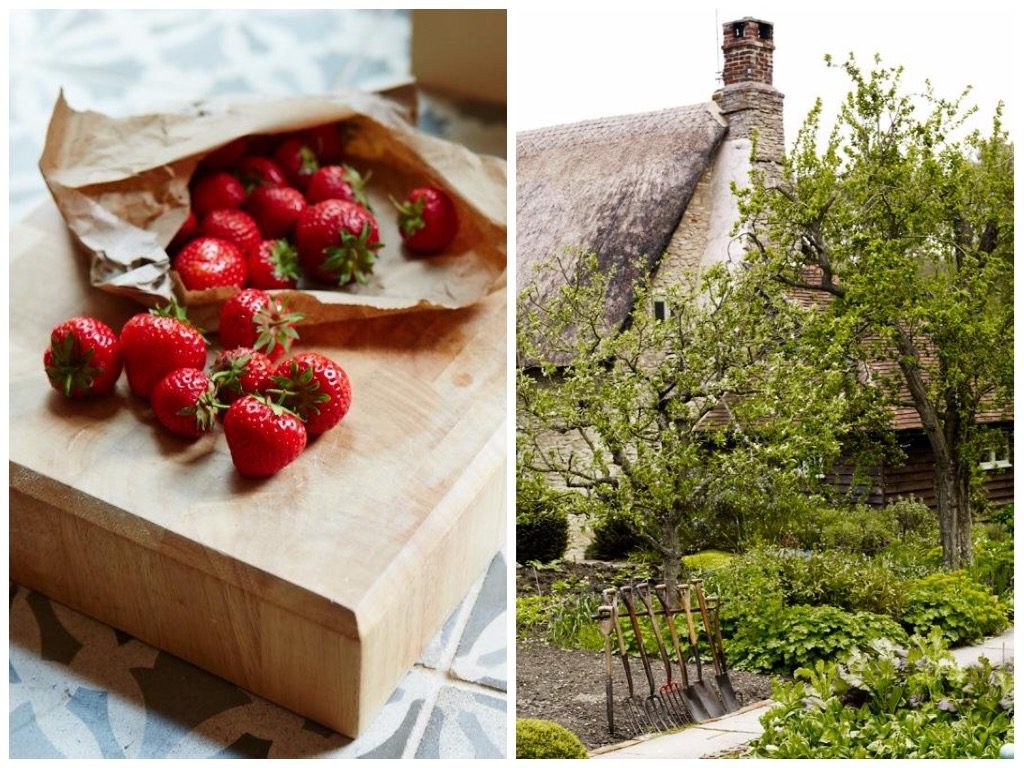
[(747, 98)]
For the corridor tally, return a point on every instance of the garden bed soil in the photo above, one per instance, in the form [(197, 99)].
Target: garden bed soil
[(567, 686)]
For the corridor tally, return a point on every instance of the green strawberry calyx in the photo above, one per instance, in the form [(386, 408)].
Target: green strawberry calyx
[(299, 391), (276, 406), (308, 163), (229, 378), (205, 409), (284, 260), (175, 311), (358, 184), (71, 367), (275, 325), (410, 215), (354, 258)]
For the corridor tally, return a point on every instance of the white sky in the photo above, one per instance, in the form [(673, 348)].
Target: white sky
[(570, 65)]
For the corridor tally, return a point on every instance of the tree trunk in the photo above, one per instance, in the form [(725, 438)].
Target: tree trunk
[(671, 559), (952, 488)]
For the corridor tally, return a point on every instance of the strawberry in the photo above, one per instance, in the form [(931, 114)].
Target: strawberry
[(253, 318), (274, 265), (255, 172), (189, 229), (275, 209), (337, 241), (241, 371), (237, 227), (326, 141), (183, 401), (338, 182), (210, 263), (316, 388), (157, 343), (297, 160), (84, 358), (217, 190), (226, 155), (427, 220), (263, 437)]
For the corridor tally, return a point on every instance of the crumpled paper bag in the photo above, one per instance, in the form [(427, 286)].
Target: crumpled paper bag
[(121, 185)]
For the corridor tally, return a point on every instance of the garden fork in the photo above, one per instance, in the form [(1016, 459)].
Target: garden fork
[(670, 690), (654, 704), (634, 704)]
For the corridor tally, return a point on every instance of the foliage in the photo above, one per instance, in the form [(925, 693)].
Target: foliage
[(957, 606), (615, 537), (890, 703), (636, 400), (800, 635), (542, 523), (532, 613), (544, 739), (864, 529), (902, 236), (845, 580), (709, 558), (993, 564)]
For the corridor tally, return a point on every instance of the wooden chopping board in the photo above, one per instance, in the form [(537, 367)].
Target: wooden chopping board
[(316, 588)]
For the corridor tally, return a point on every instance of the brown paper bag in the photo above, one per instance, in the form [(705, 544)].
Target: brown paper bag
[(122, 187)]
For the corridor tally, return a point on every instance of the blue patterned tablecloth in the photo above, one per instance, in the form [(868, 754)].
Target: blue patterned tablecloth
[(79, 688)]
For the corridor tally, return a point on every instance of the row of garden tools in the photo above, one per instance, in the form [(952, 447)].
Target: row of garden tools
[(675, 702)]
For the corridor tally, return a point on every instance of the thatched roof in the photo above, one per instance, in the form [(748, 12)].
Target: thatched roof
[(617, 186)]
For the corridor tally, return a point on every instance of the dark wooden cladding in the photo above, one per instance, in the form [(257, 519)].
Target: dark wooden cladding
[(916, 476)]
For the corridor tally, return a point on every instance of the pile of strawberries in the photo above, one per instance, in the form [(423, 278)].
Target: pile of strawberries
[(266, 209), (269, 408)]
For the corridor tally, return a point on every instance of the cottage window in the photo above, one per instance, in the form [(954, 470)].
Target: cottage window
[(661, 310), (997, 456)]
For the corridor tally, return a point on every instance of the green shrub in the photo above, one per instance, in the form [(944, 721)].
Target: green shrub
[(544, 739), (961, 608), (993, 564), (709, 558), (890, 703), (798, 636), (615, 538), (532, 613), (843, 579), (571, 624), (913, 518), (542, 523)]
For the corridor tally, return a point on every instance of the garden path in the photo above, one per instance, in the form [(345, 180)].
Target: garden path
[(733, 731)]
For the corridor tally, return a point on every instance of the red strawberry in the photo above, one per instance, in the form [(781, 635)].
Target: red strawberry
[(326, 141), (274, 265), (338, 182), (183, 401), (210, 263), (275, 209), (337, 241), (226, 155), (263, 438), (217, 190), (255, 172), (253, 318), (188, 230), (237, 227), (241, 371), (157, 343), (297, 160), (84, 358), (316, 388), (427, 220)]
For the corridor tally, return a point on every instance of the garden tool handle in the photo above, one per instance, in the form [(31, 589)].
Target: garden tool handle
[(661, 592), (684, 594), (628, 600), (699, 592), (718, 632), (614, 595), (645, 597)]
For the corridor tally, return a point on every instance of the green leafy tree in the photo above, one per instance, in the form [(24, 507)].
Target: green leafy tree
[(672, 421), (902, 235)]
